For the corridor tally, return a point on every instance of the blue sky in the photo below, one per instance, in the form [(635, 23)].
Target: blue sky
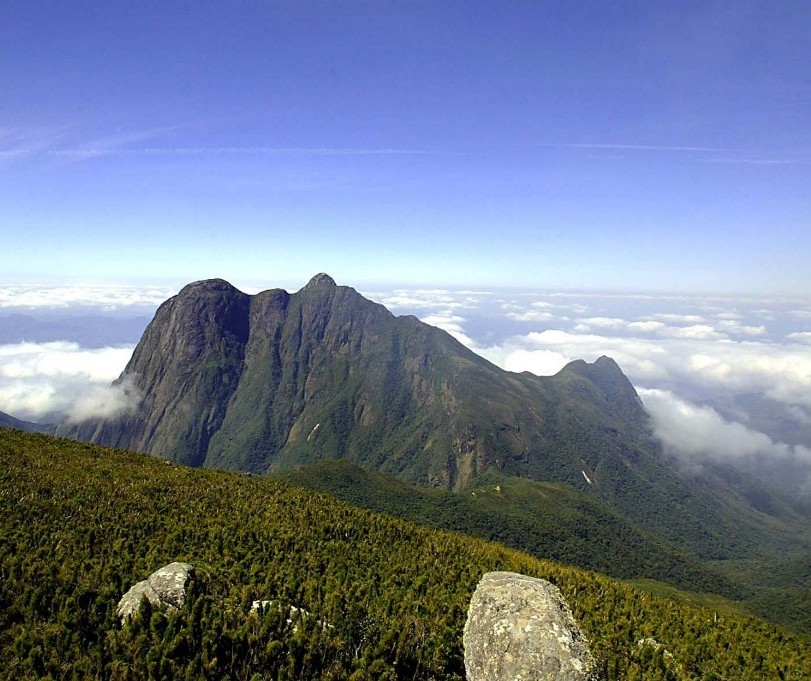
[(659, 146)]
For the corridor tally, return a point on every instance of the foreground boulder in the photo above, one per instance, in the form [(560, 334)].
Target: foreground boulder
[(520, 628), (166, 587)]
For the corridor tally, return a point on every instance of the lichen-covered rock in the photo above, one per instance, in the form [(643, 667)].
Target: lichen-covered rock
[(166, 587), (519, 628)]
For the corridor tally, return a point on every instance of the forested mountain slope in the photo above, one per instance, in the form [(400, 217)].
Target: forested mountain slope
[(81, 523), (8, 421), (547, 520), (550, 520), (278, 380)]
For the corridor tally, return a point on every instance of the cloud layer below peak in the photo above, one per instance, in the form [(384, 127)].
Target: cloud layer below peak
[(57, 379)]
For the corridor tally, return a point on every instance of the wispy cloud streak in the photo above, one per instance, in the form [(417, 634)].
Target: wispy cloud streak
[(222, 151), (756, 161), (737, 156), (64, 145), (639, 147)]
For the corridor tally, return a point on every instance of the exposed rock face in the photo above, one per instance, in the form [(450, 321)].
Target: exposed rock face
[(167, 587), (278, 379), (519, 628)]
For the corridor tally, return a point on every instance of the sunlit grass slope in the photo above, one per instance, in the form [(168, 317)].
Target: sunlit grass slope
[(547, 520), (80, 524)]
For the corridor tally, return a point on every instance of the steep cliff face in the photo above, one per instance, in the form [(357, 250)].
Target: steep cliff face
[(186, 367), (278, 380)]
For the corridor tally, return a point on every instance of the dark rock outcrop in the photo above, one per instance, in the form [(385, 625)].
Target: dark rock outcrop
[(520, 628)]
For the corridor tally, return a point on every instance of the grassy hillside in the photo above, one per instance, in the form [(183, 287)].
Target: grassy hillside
[(555, 522), (80, 524), (547, 520)]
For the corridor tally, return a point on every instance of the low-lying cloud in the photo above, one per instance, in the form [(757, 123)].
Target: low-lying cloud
[(701, 432), (429, 299), (452, 324), (61, 379), (106, 402), (98, 297), (800, 337)]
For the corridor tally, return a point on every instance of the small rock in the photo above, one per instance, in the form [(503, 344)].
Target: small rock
[(519, 628), (259, 606), (166, 587)]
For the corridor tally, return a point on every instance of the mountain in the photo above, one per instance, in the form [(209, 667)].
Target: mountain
[(88, 330), (80, 524), (257, 382), (279, 380), (7, 421)]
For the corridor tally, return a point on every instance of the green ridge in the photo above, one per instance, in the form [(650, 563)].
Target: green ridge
[(547, 520)]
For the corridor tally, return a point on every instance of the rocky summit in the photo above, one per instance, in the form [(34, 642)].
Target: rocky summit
[(519, 628), (278, 380)]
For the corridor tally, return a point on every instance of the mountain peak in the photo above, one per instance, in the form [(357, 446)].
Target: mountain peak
[(602, 366), (320, 279), (606, 374), (607, 364), (208, 285)]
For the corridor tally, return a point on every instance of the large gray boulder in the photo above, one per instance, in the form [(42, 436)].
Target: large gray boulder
[(519, 628), (166, 587)]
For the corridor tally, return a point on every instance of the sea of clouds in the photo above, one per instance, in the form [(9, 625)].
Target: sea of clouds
[(722, 378), (50, 381), (54, 368)]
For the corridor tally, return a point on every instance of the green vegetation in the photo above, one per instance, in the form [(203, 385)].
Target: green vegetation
[(553, 521), (275, 381), (780, 587), (547, 520), (80, 524)]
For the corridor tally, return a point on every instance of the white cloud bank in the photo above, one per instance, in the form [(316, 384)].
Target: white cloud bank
[(452, 324), (105, 298), (436, 299), (60, 378), (800, 337), (700, 432), (780, 371)]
